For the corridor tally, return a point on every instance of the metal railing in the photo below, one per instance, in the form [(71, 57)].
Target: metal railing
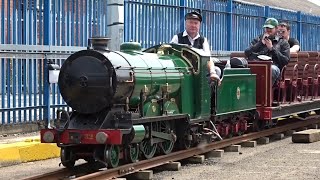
[(24, 81)]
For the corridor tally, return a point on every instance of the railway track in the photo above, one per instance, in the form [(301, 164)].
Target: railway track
[(175, 156)]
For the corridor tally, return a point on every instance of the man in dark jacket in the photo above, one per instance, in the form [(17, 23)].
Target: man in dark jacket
[(192, 37), (269, 44)]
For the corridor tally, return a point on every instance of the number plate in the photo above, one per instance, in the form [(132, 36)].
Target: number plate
[(74, 137)]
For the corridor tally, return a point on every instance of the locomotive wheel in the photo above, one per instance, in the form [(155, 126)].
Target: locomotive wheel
[(166, 146), (147, 149), (66, 157), (257, 124), (111, 155), (131, 153), (184, 142)]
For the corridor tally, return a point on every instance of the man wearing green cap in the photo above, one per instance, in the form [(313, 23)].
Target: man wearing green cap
[(192, 38), (269, 44)]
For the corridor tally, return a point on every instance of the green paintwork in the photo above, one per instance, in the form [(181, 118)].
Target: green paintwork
[(170, 107), (142, 79), (194, 96), (185, 101), (170, 69), (187, 95), (237, 91), (235, 71), (130, 46), (142, 75), (152, 74), (202, 90), (151, 109), (174, 82), (139, 133)]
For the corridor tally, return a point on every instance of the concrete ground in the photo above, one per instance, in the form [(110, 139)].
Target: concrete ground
[(277, 160), (12, 138)]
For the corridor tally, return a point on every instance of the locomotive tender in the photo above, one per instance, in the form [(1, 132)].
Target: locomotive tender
[(131, 104)]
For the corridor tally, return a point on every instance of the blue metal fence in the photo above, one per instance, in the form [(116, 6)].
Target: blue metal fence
[(73, 21), (151, 22), (31, 33), (70, 23), (23, 81), (229, 25)]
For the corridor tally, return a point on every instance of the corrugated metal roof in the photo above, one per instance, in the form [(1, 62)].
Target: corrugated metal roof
[(296, 5)]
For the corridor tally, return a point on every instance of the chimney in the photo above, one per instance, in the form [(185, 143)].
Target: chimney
[(98, 43)]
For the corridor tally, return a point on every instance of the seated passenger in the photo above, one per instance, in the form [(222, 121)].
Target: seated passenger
[(271, 45), (192, 37), (284, 31)]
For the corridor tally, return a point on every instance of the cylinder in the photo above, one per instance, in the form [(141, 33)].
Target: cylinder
[(139, 133)]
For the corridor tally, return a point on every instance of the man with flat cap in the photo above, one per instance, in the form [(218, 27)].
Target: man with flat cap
[(192, 37)]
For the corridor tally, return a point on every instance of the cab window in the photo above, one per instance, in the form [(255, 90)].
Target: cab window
[(192, 58)]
